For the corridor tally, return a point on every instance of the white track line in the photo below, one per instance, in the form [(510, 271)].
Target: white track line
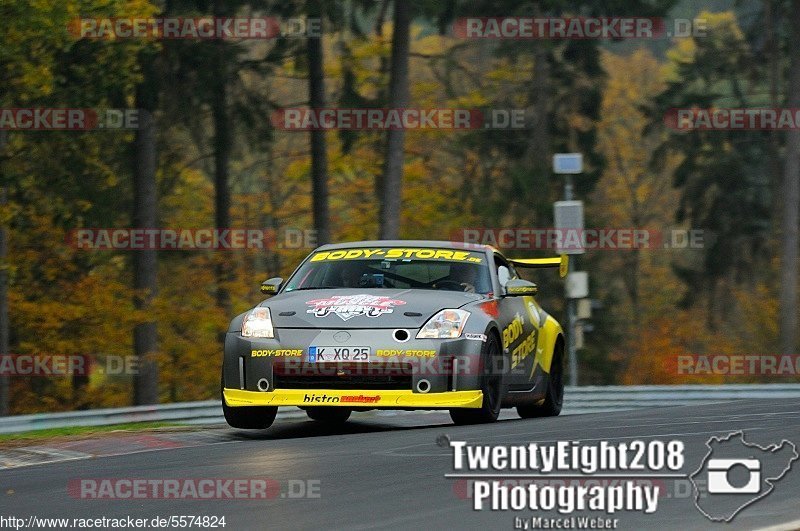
[(788, 526)]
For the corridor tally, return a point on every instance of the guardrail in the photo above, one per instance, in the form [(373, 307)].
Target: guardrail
[(615, 398), (577, 400)]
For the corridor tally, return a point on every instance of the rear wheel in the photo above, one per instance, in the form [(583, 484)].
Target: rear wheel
[(329, 415), (248, 417), (554, 398), (491, 386)]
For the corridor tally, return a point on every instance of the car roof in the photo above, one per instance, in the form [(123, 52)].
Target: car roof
[(408, 243)]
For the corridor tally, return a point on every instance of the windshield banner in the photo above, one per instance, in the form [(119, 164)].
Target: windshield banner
[(399, 253)]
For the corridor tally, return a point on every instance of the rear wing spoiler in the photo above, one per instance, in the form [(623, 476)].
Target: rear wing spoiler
[(561, 262)]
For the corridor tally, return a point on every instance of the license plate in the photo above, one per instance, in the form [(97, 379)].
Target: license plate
[(352, 354)]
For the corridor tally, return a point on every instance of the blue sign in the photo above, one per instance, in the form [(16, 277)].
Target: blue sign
[(568, 163)]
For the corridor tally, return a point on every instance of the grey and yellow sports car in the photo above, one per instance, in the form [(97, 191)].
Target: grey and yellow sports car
[(396, 325)]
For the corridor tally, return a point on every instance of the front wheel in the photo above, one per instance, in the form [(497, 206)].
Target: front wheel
[(248, 417), (554, 398), (329, 415), (491, 384)]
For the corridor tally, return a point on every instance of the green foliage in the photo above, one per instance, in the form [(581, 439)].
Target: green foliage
[(724, 175)]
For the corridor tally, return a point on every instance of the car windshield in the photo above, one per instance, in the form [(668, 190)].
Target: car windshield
[(394, 267)]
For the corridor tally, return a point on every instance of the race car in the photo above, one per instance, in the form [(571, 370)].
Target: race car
[(396, 325)]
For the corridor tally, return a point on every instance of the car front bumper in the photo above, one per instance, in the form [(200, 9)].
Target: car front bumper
[(253, 365), (353, 398)]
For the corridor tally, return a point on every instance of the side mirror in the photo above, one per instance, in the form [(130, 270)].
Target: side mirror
[(518, 287), (271, 286)]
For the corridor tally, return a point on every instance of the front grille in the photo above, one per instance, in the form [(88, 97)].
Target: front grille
[(344, 376)]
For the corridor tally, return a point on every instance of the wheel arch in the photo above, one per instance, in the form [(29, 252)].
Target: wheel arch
[(551, 336), (494, 330)]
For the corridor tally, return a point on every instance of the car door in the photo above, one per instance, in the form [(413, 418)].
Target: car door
[(521, 319)]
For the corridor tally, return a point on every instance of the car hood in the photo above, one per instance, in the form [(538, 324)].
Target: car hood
[(361, 308)]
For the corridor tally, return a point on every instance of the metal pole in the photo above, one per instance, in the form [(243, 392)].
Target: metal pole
[(568, 187), (571, 317)]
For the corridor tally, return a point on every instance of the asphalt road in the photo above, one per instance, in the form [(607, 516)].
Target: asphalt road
[(385, 470)]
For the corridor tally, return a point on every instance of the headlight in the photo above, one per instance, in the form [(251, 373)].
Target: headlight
[(446, 324), (258, 323)]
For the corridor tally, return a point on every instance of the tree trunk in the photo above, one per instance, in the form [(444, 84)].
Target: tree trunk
[(222, 155), (145, 262), (392, 182), (319, 151), (791, 202), (633, 266), (773, 25), (539, 150), (5, 384), (5, 395)]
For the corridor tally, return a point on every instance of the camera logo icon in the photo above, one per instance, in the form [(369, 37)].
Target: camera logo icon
[(736, 473), (719, 476)]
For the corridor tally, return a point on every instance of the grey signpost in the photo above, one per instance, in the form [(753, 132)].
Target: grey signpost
[(568, 215)]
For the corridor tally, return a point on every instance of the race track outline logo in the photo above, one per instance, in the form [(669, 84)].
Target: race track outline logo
[(725, 494), (349, 306)]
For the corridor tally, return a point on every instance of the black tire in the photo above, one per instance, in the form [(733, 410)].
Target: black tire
[(491, 385), (248, 417), (554, 397), (329, 415)]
